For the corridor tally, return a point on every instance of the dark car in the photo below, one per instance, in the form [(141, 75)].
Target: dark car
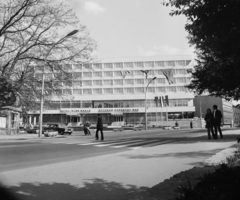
[(32, 129), (60, 128)]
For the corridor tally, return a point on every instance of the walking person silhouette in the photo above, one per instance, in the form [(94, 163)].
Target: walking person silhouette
[(99, 127)]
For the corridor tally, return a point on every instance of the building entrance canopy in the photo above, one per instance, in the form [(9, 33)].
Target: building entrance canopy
[(117, 113)]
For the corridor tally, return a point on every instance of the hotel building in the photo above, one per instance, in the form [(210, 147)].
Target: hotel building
[(117, 89)]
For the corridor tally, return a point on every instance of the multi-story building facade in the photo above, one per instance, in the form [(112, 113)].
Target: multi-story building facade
[(116, 88)]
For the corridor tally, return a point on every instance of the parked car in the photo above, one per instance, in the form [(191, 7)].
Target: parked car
[(60, 128), (32, 130)]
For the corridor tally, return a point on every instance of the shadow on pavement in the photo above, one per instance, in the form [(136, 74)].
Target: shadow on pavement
[(192, 154), (95, 189)]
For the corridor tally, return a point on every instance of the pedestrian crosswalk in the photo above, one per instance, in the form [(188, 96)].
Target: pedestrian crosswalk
[(128, 143)]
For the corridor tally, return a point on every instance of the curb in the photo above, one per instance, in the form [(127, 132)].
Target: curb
[(167, 189)]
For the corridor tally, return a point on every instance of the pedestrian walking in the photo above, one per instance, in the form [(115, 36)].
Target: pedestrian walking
[(99, 127), (209, 123), (86, 128), (217, 117), (191, 124)]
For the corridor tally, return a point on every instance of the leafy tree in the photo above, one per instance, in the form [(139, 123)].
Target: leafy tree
[(214, 29), (30, 43)]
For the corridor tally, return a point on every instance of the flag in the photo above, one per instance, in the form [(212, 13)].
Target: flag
[(124, 73), (168, 73)]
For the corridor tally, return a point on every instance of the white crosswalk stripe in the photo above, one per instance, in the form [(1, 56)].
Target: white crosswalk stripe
[(132, 144)]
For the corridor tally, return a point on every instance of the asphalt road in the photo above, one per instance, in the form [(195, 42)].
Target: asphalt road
[(30, 153)]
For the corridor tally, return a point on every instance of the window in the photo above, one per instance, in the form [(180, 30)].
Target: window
[(128, 90), (151, 73), (55, 105), (181, 89), (160, 80), (38, 76), (86, 104), (38, 68), (87, 83), (188, 79), (139, 81), (117, 73), (139, 90), (87, 66), (118, 82), (128, 65), (179, 71), (67, 91), (138, 73), (108, 74), (180, 80), (148, 64), (107, 82), (188, 62), (75, 104), (67, 67), (67, 83), (118, 90), (77, 66), (128, 81), (65, 104), (148, 80), (87, 74), (107, 90), (169, 63), (138, 64), (58, 92), (159, 63), (97, 91), (160, 89), (170, 89), (77, 91), (179, 63), (77, 75), (97, 66), (108, 65), (151, 90), (97, 74), (97, 82), (48, 76), (87, 91), (118, 65), (77, 83)]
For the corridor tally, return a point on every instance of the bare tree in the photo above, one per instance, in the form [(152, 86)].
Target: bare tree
[(28, 30)]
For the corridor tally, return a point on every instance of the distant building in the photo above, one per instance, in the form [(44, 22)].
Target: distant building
[(202, 103), (116, 89)]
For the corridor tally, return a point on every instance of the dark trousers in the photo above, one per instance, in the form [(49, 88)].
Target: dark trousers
[(101, 131), (217, 129), (210, 130)]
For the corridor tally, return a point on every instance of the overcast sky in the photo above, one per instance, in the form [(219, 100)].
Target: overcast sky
[(132, 28)]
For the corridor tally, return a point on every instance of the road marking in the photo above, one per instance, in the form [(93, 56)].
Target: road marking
[(109, 144)]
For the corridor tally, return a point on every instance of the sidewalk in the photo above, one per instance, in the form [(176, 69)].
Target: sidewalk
[(120, 176)]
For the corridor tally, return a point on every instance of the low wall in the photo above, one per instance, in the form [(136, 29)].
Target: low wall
[(181, 123)]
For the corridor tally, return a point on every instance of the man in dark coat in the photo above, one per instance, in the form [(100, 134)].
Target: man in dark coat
[(99, 127), (217, 117)]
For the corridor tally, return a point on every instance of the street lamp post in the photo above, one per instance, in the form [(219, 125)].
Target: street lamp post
[(43, 77), (146, 101)]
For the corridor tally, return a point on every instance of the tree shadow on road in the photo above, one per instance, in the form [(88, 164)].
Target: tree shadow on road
[(94, 189), (189, 154)]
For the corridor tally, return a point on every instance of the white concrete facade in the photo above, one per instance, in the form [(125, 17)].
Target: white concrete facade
[(118, 83)]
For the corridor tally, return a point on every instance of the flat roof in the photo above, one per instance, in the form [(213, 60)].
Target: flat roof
[(141, 58)]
